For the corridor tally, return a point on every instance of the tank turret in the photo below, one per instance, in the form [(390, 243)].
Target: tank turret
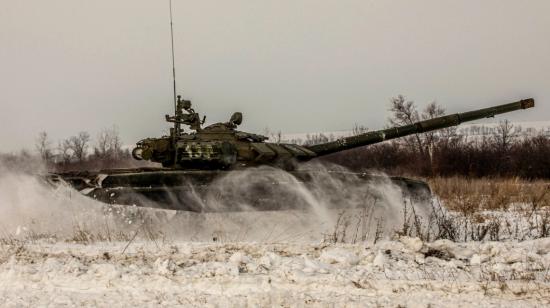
[(222, 146)]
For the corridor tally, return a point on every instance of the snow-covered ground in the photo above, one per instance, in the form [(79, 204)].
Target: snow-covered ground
[(405, 272)]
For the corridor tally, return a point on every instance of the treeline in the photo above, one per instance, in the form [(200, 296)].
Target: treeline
[(81, 152), (445, 153), (527, 158)]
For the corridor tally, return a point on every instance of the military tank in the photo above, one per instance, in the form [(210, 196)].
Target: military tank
[(193, 161)]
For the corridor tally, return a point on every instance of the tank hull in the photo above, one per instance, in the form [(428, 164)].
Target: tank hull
[(239, 190)]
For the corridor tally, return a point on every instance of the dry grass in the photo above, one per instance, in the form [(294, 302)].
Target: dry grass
[(470, 195), (466, 210)]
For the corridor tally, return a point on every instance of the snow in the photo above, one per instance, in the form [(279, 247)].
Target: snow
[(276, 274)]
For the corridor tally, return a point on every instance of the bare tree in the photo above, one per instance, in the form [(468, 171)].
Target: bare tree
[(505, 135), (433, 110), (64, 148), (79, 145), (43, 146), (405, 113), (109, 144)]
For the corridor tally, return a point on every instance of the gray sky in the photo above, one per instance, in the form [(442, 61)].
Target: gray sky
[(68, 66)]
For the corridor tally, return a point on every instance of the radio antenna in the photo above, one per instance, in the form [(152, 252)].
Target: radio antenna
[(173, 60), (176, 131)]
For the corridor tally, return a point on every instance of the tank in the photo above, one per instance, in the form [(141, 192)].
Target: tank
[(194, 158)]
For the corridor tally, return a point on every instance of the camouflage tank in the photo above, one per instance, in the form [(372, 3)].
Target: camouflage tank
[(192, 161)]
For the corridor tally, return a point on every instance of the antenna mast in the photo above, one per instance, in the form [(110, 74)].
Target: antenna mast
[(173, 60), (176, 131)]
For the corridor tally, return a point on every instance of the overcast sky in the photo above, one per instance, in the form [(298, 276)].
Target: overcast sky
[(292, 65)]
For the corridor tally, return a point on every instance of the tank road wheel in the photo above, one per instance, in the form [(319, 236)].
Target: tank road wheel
[(137, 153)]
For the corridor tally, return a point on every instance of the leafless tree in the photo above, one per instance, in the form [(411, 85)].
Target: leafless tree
[(65, 151), (505, 135), (433, 110), (79, 145), (109, 144), (405, 113), (43, 146)]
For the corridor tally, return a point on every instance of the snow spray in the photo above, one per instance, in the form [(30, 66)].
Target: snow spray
[(326, 208)]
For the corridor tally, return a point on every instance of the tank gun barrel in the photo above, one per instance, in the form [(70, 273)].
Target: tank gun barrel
[(416, 128)]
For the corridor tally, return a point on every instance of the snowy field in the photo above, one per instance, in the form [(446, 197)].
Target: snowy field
[(58, 248), (405, 272)]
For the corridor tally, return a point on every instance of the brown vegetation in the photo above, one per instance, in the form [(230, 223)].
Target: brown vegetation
[(445, 153), (469, 195), (528, 158)]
